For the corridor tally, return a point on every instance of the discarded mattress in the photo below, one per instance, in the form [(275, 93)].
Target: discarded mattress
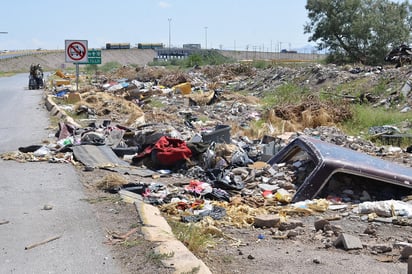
[(327, 159)]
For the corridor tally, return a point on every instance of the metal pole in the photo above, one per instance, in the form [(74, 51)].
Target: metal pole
[(170, 34), (77, 76), (205, 37)]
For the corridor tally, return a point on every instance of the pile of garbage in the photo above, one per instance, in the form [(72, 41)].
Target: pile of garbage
[(400, 55), (194, 140)]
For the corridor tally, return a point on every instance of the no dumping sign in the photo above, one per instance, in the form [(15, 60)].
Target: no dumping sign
[(76, 51)]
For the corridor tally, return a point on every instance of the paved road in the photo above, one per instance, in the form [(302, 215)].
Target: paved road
[(26, 188)]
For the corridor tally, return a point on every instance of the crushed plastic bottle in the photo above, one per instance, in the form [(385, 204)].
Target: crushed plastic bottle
[(282, 195)]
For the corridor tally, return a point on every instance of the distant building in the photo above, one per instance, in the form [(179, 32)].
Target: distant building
[(191, 46)]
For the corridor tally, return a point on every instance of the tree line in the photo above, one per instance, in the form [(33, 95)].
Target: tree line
[(360, 31)]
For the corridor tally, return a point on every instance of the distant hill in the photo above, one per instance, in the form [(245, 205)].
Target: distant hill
[(52, 60)]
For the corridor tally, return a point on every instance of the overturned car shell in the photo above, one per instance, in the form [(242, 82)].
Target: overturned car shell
[(329, 159)]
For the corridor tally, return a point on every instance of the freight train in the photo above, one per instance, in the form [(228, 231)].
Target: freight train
[(150, 45), (117, 45)]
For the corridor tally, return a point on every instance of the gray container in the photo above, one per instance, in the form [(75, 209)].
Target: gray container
[(221, 134)]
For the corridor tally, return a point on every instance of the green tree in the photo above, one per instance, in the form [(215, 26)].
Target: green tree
[(194, 59), (358, 30)]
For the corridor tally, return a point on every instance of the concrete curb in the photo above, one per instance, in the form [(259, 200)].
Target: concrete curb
[(54, 110), (49, 102), (156, 229)]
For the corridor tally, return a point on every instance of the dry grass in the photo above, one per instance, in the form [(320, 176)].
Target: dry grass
[(113, 107), (111, 181)]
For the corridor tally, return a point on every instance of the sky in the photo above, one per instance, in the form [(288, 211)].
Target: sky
[(254, 25)]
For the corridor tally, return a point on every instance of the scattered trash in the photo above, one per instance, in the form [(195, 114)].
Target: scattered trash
[(200, 137), (47, 207), (390, 208), (400, 55)]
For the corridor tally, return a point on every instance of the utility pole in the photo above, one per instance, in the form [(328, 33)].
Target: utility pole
[(205, 37), (170, 34)]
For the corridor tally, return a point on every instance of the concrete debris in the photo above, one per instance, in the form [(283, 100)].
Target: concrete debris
[(266, 221), (321, 224), (290, 224), (381, 248), (349, 242)]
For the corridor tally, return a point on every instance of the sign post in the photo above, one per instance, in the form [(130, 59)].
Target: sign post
[(76, 52)]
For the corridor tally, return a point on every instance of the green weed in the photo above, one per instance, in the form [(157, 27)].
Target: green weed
[(109, 66), (288, 93), (131, 243), (157, 258), (365, 117), (156, 103), (192, 236), (193, 271)]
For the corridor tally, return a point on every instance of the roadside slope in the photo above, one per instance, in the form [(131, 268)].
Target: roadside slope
[(54, 60)]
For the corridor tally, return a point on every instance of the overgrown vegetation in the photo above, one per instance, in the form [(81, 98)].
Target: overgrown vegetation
[(365, 117), (157, 258), (194, 237), (109, 66), (6, 74), (358, 30), (285, 94), (200, 58)]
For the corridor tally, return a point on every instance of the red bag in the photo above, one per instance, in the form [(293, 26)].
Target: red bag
[(169, 151)]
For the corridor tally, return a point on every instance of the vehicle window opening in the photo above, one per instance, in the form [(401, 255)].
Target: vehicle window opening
[(356, 189)]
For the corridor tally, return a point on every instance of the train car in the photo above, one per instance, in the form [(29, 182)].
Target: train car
[(117, 45), (150, 45)]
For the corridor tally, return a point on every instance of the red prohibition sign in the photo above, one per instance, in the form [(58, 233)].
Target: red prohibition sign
[(76, 51)]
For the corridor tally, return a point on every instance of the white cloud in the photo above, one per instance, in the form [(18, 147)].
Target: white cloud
[(164, 5)]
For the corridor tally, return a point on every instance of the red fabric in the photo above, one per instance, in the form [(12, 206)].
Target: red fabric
[(168, 151)]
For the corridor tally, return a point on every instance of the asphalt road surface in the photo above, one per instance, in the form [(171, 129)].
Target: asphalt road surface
[(25, 190)]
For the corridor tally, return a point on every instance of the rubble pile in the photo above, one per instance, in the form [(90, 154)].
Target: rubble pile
[(309, 114), (186, 142)]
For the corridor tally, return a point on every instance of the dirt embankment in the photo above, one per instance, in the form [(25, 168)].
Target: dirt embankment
[(51, 60), (54, 60)]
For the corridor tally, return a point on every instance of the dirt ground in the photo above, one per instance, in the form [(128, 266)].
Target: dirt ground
[(254, 250), (118, 218), (305, 253), (301, 249)]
